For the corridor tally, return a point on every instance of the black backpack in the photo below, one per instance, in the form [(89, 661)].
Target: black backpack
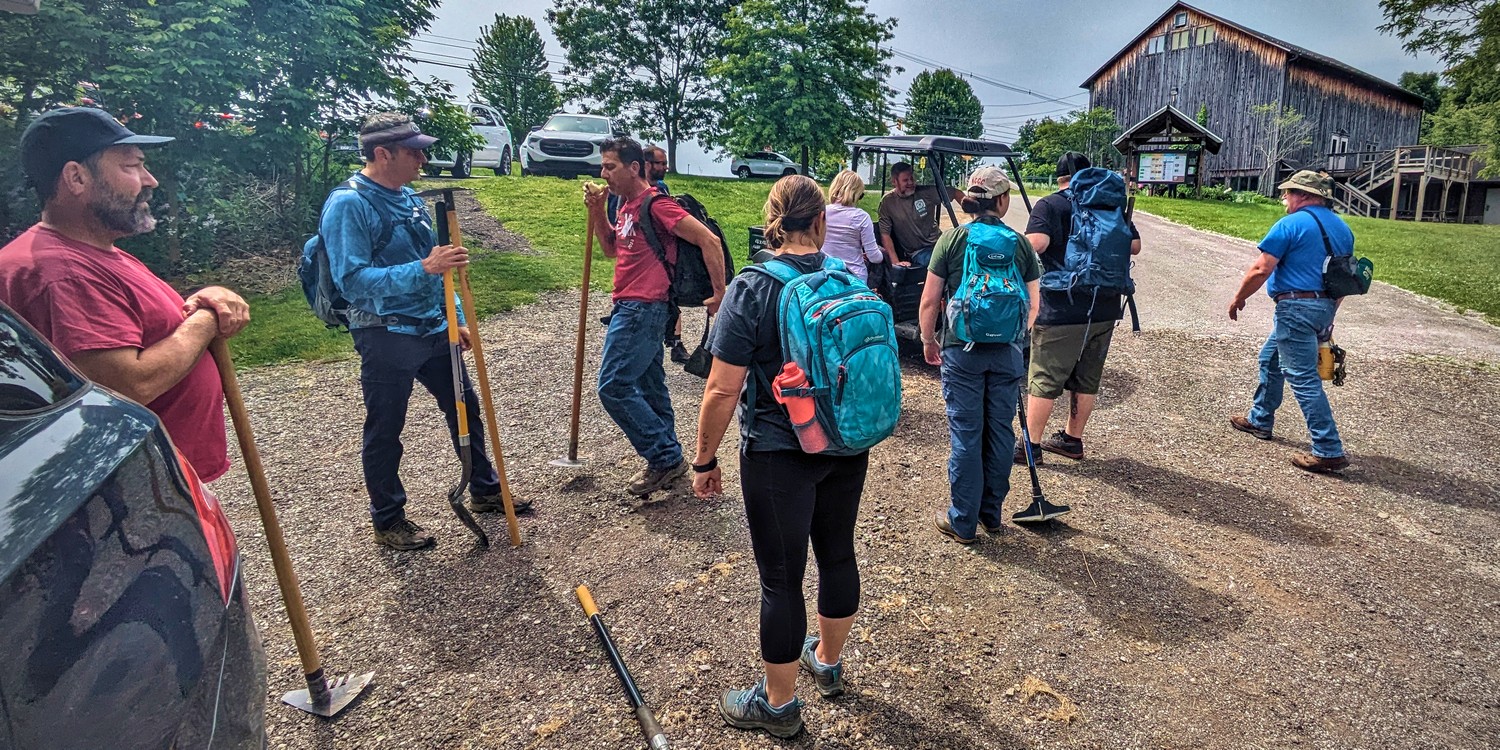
[(688, 280)]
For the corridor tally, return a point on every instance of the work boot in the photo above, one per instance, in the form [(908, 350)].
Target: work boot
[(680, 353), (404, 535), (1036, 453), (946, 527), (496, 504), (828, 678), (650, 480), (1064, 445), (1245, 426), (749, 709), (1320, 464)]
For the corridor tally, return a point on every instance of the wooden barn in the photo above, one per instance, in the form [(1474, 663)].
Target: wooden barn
[(1196, 62)]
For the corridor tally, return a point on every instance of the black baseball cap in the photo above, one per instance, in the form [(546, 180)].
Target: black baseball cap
[(59, 136), (1071, 162)]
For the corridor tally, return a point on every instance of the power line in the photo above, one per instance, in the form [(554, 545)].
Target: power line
[(981, 78)]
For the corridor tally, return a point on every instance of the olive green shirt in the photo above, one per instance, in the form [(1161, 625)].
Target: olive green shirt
[(911, 222), (948, 263)]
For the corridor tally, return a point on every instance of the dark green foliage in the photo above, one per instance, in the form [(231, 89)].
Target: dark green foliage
[(1089, 132), (1466, 36), (510, 74), (941, 103)]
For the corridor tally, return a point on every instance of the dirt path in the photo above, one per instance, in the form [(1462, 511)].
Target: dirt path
[(1204, 594)]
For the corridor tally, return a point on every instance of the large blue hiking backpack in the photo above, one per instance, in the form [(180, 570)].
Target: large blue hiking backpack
[(1098, 252), (322, 295), (990, 304), (843, 337)]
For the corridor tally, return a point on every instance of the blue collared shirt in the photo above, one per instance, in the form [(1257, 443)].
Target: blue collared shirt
[(1298, 247)]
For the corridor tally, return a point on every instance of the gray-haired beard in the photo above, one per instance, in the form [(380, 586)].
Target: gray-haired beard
[(129, 214)]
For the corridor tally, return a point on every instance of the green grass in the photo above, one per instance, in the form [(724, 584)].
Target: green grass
[(1456, 263), (549, 213)]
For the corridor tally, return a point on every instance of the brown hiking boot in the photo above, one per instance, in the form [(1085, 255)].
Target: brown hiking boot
[(404, 536), (648, 480), (946, 527), (1319, 464), (1244, 425)]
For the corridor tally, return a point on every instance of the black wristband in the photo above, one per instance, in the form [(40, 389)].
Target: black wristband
[(713, 463)]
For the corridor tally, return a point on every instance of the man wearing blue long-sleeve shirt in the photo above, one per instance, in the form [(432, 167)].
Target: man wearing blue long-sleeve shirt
[(383, 258)]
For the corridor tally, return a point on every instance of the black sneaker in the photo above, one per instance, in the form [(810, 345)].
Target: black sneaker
[(1036, 453), (829, 679), (404, 535), (680, 353), (1064, 445), (496, 504), (651, 480), (749, 709), (604, 321)]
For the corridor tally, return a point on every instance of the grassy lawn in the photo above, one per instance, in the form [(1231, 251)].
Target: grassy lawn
[(1456, 263), (549, 213)]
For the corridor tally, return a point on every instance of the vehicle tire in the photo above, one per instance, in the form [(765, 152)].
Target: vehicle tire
[(526, 172), (788, 172), (432, 171), (462, 165), (504, 169), (743, 172)]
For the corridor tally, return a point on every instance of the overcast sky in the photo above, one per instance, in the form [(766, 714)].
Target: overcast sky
[(1044, 47)]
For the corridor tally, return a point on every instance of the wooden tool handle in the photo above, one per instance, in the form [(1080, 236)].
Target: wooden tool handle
[(587, 600)]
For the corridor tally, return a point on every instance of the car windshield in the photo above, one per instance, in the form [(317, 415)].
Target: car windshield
[(577, 124), (31, 375)]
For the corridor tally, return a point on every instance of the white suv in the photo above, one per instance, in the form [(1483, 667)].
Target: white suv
[(497, 153), (567, 145)]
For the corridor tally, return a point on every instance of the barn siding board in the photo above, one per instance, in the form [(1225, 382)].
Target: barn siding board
[(1371, 119)]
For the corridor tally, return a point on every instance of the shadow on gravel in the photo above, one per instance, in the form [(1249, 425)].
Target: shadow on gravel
[(1127, 592), (1205, 499), (894, 726), (1409, 480), (1116, 388)]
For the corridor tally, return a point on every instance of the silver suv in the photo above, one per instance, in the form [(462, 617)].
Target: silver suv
[(567, 145)]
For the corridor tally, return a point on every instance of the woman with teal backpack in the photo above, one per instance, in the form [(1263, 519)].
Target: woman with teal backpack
[(796, 488), (983, 281)]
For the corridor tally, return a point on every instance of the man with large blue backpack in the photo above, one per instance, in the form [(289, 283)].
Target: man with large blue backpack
[(1085, 242)]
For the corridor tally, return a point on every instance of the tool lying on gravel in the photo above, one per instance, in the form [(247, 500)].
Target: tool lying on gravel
[(460, 406), (448, 220), (320, 697), (656, 739), (571, 459)]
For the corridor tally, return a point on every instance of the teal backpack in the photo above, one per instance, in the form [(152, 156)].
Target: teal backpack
[(990, 304), (844, 337)]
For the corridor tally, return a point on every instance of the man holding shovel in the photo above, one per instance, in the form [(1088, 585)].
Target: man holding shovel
[(382, 256)]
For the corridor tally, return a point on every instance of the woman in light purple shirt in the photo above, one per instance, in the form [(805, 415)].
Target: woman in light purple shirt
[(851, 235)]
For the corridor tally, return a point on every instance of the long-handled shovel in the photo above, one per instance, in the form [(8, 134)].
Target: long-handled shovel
[(571, 460), (656, 739), (1049, 511), (461, 407), (320, 697), (449, 219)]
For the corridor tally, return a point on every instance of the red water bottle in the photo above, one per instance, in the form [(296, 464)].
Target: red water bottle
[(803, 410)]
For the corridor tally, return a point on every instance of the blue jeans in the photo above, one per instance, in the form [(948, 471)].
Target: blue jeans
[(980, 388), (389, 363), (1290, 357), (633, 385)]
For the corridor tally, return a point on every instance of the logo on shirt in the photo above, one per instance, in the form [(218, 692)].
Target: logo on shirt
[(920, 206)]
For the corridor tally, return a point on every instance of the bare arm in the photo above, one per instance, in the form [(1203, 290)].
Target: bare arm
[(694, 231), (1039, 242), (1034, 292), (927, 318), (1254, 279), (719, 398), (604, 232), (143, 375)]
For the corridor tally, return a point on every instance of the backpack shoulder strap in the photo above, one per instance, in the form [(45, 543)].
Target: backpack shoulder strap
[(648, 226), (1327, 246), (777, 269), (387, 225)]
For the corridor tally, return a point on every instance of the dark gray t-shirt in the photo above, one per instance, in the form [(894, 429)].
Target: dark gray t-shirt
[(747, 334)]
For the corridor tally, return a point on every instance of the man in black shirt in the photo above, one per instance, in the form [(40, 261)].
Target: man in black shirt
[(1072, 333)]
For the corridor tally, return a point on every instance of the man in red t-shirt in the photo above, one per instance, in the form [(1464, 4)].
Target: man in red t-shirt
[(120, 324), (632, 383)]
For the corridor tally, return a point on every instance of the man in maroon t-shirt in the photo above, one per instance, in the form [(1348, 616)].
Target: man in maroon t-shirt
[(121, 326), (632, 383)]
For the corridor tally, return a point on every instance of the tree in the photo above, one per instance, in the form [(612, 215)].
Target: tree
[(803, 75), (645, 62), (1466, 36), (1283, 132), (510, 74), (1090, 132), (941, 103), (1426, 85)]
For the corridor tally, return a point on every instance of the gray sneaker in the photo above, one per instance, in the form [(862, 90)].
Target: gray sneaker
[(830, 680), (404, 535), (651, 480), (749, 709)]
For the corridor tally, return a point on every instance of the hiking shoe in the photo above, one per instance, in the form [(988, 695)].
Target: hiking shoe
[(680, 353), (1320, 464), (749, 709), (404, 535), (829, 679), (496, 504), (1244, 425), (650, 480), (946, 527), (1036, 453), (1064, 445)]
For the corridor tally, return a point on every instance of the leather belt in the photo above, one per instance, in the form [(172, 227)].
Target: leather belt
[(1300, 295)]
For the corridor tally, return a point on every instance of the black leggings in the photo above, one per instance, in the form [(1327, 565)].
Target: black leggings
[(790, 497)]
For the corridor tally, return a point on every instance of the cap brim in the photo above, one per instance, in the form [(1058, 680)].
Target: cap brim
[(417, 141), (144, 140)]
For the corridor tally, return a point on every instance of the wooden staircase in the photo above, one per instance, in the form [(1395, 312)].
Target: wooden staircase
[(1371, 183)]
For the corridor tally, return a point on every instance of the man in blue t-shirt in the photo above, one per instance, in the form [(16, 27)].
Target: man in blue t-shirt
[(1292, 257), (383, 259)]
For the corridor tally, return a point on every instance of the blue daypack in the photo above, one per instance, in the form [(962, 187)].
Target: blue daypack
[(990, 304), (1098, 252), (322, 295), (844, 337)]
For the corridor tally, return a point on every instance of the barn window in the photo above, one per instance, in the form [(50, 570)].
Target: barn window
[(1205, 35), (1180, 39), (1155, 44), (1338, 144), (1180, 20)]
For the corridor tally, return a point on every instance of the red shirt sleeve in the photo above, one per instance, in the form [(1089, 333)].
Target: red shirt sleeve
[(78, 314), (666, 214)]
